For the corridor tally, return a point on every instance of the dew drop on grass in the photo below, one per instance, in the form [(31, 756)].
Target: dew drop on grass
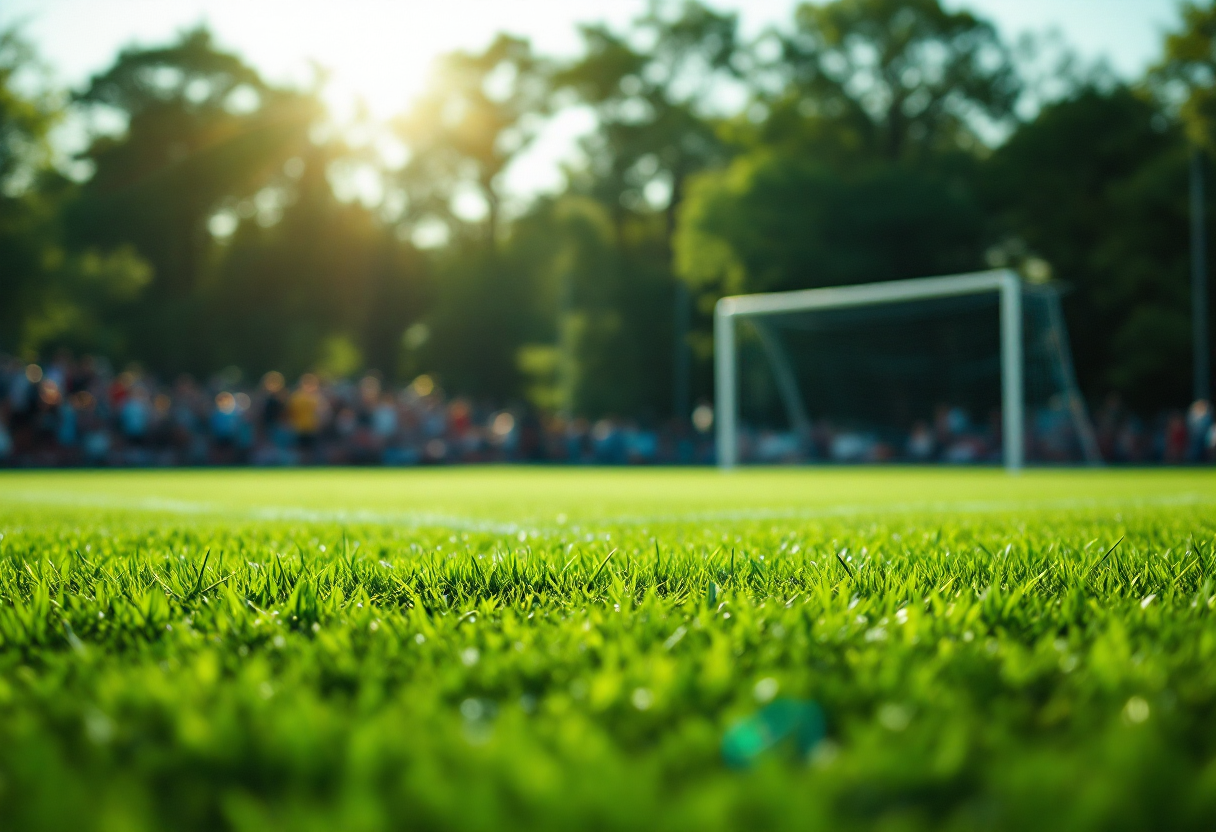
[(824, 754), (469, 656), (472, 709), (642, 699), (98, 727), (894, 717), (766, 689), (1136, 710), (876, 634)]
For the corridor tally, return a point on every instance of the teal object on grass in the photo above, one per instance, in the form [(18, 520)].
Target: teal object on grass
[(799, 721)]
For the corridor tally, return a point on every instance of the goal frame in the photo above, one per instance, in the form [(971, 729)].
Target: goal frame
[(1004, 282)]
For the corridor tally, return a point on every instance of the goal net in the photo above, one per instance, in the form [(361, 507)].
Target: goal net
[(961, 369)]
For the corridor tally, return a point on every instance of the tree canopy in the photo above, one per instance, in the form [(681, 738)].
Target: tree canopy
[(860, 140)]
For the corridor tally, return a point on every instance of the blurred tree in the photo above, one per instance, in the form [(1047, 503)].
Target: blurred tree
[(605, 356), (26, 118), (201, 128), (895, 79), (861, 154), (1185, 78), (1185, 81), (26, 215), (210, 233), (654, 104), (480, 316), (284, 292), (1096, 185), (50, 295), (656, 90), (771, 222), (479, 112)]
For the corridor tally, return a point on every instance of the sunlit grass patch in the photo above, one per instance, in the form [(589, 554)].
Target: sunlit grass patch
[(1040, 657)]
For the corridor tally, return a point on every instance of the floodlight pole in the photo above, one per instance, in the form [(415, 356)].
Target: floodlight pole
[(1013, 395), (726, 406)]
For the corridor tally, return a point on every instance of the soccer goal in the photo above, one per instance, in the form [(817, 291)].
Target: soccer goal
[(962, 368)]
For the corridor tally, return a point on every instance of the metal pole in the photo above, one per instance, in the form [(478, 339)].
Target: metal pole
[(1013, 397), (725, 379), (1199, 282)]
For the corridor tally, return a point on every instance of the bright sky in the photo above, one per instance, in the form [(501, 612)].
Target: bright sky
[(379, 50)]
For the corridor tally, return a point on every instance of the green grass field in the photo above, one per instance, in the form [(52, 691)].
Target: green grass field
[(567, 649)]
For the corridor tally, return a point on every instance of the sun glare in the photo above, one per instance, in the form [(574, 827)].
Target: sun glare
[(373, 54), (376, 56), (379, 53)]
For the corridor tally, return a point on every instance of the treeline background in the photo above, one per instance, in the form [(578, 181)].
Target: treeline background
[(210, 223)]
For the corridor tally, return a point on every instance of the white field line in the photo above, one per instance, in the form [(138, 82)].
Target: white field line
[(428, 519), (411, 519)]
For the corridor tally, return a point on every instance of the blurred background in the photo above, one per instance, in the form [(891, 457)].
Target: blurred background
[(402, 232)]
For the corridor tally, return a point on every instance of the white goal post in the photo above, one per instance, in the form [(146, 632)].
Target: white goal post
[(1003, 282)]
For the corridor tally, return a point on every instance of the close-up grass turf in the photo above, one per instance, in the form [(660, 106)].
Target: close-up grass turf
[(565, 649)]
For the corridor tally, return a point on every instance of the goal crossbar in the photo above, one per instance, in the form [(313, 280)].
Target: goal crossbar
[(1004, 282)]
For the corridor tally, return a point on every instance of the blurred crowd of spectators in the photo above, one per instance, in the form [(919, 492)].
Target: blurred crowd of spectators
[(78, 412), (70, 412), (1174, 437), (1121, 437)]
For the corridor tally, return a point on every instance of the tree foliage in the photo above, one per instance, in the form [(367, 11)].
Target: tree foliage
[(1097, 185), (862, 140), (50, 293), (899, 80), (480, 112)]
